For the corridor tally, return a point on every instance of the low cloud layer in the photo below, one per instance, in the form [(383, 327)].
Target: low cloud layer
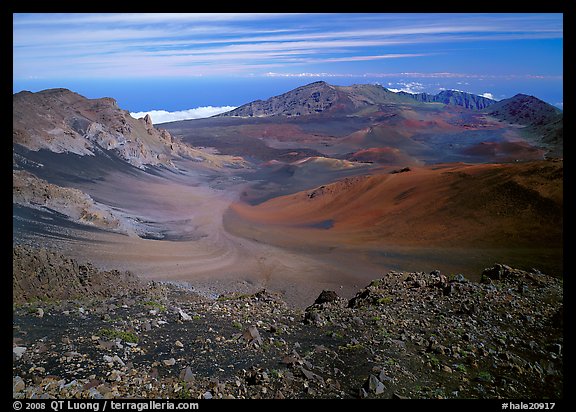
[(408, 87), (163, 116)]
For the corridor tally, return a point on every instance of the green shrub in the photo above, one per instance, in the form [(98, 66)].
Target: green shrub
[(124, 335), (156, 305), (485, 376)]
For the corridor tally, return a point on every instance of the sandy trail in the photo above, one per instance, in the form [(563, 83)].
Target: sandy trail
[(208, 257)]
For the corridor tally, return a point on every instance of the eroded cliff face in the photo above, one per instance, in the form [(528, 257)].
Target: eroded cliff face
[(62, 121)]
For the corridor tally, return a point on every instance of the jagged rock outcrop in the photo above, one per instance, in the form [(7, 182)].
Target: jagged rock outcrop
[(62, 121), (40, 274), (147, 121)]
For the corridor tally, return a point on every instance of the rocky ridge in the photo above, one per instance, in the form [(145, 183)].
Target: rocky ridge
[(406, 335), (62, 121), (320, 97), (310, 99)]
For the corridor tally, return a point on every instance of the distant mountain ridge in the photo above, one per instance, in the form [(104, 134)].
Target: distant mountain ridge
[(312, 98), (320, 97), (525, 110), (539, 118), (453, 97)]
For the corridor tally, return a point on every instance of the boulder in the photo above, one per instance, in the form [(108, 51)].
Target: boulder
[(374, 385), (313, 317), (184, 316), (252, 336), (147, 121), (326, 296), (18, 351), (186, 375), (18, 384), (499, 272)]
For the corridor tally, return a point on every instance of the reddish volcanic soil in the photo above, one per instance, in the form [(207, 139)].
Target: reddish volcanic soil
[(384, 155), (437, 124), (489, 206)]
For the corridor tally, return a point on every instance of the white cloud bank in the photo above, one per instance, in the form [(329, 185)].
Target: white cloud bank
[(488, 95), (163, 116), (407, 87)]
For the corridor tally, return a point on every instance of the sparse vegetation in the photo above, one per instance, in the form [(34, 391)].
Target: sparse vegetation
[(126, 336), (434, 361), (484, 376), (384, 300), (334, 334), (461, 368), (155, 305)]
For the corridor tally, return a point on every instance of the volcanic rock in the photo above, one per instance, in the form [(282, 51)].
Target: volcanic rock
[(326, 296)]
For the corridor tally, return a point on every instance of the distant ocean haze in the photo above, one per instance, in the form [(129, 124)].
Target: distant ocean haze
[(185, 94)]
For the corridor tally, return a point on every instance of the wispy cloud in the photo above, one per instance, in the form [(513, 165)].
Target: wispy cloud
[(140, 18), (177, 44), (163, 116), (421, 75), (308, 74)]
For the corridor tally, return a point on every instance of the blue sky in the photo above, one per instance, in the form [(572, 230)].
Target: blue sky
[(182, 61)]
